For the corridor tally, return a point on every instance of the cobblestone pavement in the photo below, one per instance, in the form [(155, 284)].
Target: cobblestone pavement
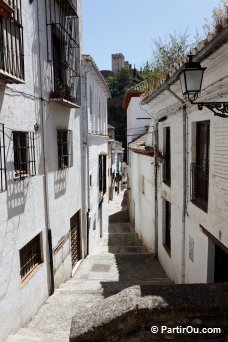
[(118, 262)]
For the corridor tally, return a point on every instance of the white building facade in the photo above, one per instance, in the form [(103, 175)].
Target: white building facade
[(95, 93), (190, 173), (40, 159)]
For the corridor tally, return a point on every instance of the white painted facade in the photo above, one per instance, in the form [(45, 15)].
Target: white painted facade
[(95, 93), (141, 200), (46, 201), (196, 234)]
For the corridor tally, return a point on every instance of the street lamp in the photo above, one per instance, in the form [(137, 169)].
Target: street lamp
[(191, 76)]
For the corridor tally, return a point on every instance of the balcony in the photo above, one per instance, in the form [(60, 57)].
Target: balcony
[(64, 51), (11, 42)]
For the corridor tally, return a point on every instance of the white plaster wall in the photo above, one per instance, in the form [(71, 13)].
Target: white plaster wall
[(22, 207), (142, 166), (136, 127), (96, 142), (97, 145)]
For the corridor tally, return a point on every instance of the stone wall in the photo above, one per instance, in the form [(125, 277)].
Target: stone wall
[(130, 314)]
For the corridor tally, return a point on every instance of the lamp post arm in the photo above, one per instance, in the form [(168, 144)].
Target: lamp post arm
[(218, 108)]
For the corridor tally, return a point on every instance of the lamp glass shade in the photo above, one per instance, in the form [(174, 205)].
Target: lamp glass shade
[(191, 80)]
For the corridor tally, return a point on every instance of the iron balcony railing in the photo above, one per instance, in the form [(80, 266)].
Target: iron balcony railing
[(11, 43), (63, 48), (199, 185)]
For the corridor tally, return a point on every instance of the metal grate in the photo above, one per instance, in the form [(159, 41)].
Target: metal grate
[(24, 154), (11, 44), (75, 238), (30, 256), (199, 185), (3, 180), (63, 48), (64, 142)]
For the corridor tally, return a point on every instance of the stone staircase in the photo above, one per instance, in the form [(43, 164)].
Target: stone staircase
[(120, 261)]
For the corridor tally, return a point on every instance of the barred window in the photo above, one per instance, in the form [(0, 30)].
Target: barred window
[(24, 154), (3, 182), (64, 142), (167, 230), (30, 255), (11, 41), (102, 174)]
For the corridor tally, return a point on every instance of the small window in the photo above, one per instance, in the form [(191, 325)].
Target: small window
[(102, 174), (24, 154), (167, 161), (64, 142), (167, 228), (30, 256), (90, 180), (3, 181)]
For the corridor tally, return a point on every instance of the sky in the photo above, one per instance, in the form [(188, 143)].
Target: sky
[(130, 26)]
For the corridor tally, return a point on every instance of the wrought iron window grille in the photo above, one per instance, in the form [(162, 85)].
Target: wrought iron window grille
[(63, 48), (30, 256), (11, 43), (24, 154), (64, 143), (3, 179)]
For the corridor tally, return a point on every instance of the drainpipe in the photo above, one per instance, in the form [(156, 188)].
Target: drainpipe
[(46, 192), (85, 154), (184, 114), (156, 190)]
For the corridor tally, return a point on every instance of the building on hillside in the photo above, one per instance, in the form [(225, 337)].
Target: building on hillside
[(40, 154), (190, 172), (95, 93), (118, 62)]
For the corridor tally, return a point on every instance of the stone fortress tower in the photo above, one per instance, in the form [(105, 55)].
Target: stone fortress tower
[(118, 62)]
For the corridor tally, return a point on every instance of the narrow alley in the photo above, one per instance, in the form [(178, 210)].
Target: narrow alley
[(119, 261)]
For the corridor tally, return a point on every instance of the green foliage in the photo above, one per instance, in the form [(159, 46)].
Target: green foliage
[(165, 54), (124, 79)]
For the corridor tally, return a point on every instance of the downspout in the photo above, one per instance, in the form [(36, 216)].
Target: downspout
[(46, 192), (156, 191), (184, 114), (85, 181)]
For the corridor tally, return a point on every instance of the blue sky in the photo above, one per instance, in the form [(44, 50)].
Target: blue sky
[(130, 26)]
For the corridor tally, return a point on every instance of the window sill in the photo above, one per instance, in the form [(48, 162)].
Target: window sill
[(65, 103), (168, 250), (199, 205), (30, 274), (8, 78)]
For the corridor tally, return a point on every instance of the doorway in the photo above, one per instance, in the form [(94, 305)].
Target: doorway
[(75, 234)]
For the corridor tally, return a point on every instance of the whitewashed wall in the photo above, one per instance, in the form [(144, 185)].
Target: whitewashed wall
[(142, 211), (22, 206)]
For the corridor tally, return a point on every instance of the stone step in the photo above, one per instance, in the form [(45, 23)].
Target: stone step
[(121, 250), (120, 228), (118, 239), (31, 335)]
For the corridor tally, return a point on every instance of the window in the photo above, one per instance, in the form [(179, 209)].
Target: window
[(167, 226), (64, 142), (102, 174), (167, 162), (11, 42), (3, 181), (200, 169), (24, 154), (30, 256), (63, 49)]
